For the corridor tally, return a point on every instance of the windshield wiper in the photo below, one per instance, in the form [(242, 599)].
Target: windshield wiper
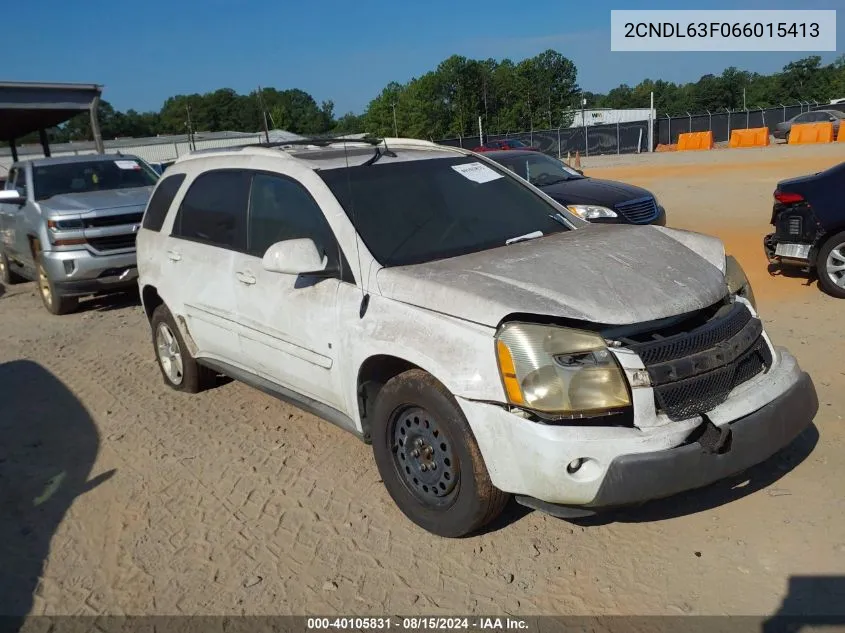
[(552, 182), (524, 238)]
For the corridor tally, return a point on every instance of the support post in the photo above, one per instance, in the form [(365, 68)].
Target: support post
[(14, 149), (95, 126), (45, 143)]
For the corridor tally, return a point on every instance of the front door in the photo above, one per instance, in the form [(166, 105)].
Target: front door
[(210, 226), (289, 325)]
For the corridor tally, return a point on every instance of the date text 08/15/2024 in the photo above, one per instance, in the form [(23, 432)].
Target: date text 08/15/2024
[(417, 624), (722, 29)]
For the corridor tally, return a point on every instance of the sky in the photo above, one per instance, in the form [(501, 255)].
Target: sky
[(342, 50)]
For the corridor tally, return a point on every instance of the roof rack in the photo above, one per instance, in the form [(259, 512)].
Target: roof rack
[(320, 141)]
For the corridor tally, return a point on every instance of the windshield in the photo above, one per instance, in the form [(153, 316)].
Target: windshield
[(99, 175), (538, 169), (418, 211)]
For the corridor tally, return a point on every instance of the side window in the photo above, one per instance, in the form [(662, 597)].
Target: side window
[(17, 180), (213, 210), (160, 202), (802, 118), (282, 209)]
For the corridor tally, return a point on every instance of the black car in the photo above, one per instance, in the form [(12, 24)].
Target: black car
[(809, 221), (601, 201)]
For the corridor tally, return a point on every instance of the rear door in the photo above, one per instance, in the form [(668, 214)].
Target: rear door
[(209, 227), (289, 323)]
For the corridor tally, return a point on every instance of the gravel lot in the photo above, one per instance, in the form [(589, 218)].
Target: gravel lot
[(230, 502)]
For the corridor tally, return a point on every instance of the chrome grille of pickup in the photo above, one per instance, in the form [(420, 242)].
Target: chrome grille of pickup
[(113, 242), (693, 372), (639, 211)]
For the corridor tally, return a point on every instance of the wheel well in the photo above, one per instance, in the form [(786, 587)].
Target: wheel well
[(150, 300), (372, 376), (34, 246)]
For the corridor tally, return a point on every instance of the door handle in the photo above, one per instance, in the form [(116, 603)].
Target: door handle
[(173, 256), (246, 277)]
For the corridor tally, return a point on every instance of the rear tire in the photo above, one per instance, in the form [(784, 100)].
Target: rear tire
[(7, 275), (428, 458), (830, 266), (50, 297), (178, 368)]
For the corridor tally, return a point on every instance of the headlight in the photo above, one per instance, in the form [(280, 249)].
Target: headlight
[(591, 211), (737, 281), (559, 370), (65, 225)]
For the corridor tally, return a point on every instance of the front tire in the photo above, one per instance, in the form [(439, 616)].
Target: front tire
[(178, 368), (50, 297), (830, 266), (428, 457)]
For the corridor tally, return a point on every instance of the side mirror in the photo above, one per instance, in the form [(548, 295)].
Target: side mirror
[(11, 196), (297, 257)]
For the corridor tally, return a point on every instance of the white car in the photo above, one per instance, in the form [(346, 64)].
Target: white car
[(486, 341)]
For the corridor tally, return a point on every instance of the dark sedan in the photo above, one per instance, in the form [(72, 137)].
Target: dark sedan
[(505, 144), (809, 221), (603, 201)]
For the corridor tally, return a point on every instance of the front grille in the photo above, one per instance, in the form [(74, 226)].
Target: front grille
[(686, 398), (726, 324), (640, 211), (113, 220), (693, 372), (113, 242)]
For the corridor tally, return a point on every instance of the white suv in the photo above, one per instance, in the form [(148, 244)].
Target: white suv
[(484, 340)]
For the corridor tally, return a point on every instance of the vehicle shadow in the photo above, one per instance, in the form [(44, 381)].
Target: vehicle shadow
[(48, 448), (810, 601), (792, 272), (114, 301), (717, 494)]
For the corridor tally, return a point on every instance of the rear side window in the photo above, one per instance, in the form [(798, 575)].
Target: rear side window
[(214, 209), (160, 202)]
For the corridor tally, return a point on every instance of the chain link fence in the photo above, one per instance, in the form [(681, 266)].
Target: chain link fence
[(633, 137)]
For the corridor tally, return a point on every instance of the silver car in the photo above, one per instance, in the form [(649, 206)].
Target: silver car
[(816, 116), (70, 223)]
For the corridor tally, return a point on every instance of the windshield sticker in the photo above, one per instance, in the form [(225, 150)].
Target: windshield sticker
[(477, 172), (127, 164)]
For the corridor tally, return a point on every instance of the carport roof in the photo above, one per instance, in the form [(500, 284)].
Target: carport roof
[(27, 107)]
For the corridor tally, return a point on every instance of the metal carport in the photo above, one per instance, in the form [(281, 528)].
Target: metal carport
[(27, 107)]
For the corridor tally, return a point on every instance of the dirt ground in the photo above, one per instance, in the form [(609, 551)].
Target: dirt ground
[(230, 502)]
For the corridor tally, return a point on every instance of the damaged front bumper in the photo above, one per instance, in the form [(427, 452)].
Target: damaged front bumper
[(630, 466)]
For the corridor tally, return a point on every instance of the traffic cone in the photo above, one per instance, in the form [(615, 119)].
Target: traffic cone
[(568, 160), (577, 159)]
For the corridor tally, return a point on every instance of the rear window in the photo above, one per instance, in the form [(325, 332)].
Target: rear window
[(160, 202), (417, 211), (85, 177)]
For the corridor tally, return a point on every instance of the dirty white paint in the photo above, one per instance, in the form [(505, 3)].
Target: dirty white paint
[(442, 317)]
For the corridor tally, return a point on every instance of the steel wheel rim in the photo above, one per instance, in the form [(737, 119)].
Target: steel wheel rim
[(424, 457), (44, 286), (835, 265), (169, 354)]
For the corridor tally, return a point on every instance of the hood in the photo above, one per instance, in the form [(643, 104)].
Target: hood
[(611, 274), (77, 203), (607, 193)]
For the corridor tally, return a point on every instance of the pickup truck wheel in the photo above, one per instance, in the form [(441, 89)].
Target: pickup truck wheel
[(52, 300), (7, 275), (830, 266), (428, 457), (178, 368)]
